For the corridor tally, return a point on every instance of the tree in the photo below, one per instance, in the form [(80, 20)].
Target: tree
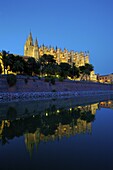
[(64, 69), (12, 63), (18, 67), (74, 72), (5, 60), (12, 60), (47, 59), (30, 66), (86, 70), (37, 68), (48, 69), (48, 65), (0, 69)]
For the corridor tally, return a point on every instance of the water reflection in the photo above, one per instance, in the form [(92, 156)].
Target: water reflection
[(52, 124), (107, 104), (72, 131)]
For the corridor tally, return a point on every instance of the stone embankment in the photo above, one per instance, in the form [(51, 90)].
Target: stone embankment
[(39, 89), (48, 95)]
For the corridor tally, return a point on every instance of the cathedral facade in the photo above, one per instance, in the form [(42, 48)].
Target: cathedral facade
[(33, 50)]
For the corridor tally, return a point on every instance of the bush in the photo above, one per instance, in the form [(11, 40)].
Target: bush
[(11, 79)]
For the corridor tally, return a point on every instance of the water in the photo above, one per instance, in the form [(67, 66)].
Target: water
[(56, 135)]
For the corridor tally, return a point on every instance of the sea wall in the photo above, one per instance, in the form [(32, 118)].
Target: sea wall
[(34, 88)]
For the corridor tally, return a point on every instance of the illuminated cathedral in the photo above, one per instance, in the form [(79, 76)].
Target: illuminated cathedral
[(32, 49)]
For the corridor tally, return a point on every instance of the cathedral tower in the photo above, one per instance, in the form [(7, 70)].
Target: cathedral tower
[(30, 49), (36, 50)]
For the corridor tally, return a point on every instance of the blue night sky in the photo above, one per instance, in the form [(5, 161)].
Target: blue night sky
[(79, 25)]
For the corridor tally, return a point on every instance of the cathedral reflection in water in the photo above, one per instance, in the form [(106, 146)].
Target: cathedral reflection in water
[(53, 124)]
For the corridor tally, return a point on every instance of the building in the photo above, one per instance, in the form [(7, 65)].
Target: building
[(33, 50), (79, 58), (106, 78)]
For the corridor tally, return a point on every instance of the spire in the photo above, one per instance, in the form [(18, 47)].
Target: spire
[(30, 35), (30, 39), (36, 42)]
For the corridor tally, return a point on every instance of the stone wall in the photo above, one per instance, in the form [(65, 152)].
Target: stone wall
[(39, 89), (36, 85)]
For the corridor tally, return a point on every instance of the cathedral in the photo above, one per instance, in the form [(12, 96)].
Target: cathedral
[(32, 49)]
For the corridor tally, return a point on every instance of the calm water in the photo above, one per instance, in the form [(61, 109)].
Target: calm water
[(56, 135)]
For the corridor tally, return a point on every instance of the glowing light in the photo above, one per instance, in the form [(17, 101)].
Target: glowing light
[(58, 111), (46, 114), (70, 109), (102, 103), (109, 102)]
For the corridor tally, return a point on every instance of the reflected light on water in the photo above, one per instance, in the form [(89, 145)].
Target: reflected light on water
[(50, 135)]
